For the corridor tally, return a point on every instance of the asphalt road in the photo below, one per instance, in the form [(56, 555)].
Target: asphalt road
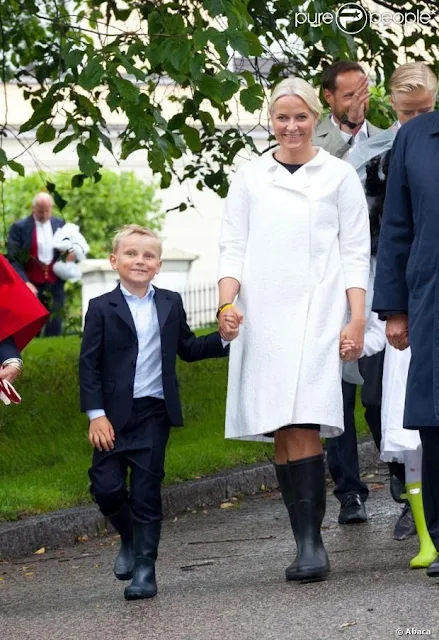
[(221, 577)]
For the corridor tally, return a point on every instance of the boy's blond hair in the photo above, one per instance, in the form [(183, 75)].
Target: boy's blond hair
[(132, 229), (412, 76)]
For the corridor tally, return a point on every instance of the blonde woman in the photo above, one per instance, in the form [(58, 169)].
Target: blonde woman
[(294, 254)]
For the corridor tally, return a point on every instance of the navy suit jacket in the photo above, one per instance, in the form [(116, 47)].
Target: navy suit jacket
[(20, 240), (8, 349), (109, 351), (407, 273)]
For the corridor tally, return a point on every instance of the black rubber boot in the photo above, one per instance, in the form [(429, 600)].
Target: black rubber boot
[(303, 488), (124, 563), (433, 569), (146, 542)]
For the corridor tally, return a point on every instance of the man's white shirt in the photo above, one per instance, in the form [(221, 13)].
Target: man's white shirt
[(44, 241), (359, 137)]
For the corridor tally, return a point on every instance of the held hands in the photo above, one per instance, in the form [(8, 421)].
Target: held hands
[(352, 340), (228, 323), (397, 331), (101, 434)]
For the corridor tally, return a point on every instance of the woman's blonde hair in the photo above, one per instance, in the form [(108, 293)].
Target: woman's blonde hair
[(300, 88), (411, 76)]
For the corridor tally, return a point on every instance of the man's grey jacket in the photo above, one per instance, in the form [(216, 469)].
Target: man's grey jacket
[(329, 138)]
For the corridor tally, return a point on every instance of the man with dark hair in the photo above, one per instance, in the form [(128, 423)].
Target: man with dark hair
[(346, 90)]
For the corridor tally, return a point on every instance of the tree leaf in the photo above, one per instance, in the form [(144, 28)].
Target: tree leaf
[(78, 180), (45, 132), (251, 98), (62, 144), (228, 89), (126, 89), (192, 138), (17, 167), (211, 87), (59, 200), (105, 141), (92, 74), (87, 164), (42, 111)]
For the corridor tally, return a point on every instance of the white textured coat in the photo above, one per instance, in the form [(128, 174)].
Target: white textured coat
[(295, 242)]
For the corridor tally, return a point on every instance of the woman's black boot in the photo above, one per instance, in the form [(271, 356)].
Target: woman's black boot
[(303, 488)]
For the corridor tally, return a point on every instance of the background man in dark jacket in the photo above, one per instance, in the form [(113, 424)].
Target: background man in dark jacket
[(31, 253)]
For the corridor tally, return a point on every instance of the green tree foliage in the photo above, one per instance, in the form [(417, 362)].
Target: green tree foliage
[(98, 208), (88, 56)]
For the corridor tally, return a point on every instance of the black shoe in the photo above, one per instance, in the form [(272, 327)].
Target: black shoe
[(405, 526), (433, 569), (146, 542), (396, 489), (303, 488), (124, 563), (352, 510)]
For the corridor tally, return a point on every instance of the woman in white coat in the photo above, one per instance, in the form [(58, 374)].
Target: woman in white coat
[(294, 250)]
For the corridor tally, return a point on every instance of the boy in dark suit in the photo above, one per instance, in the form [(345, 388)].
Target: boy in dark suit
[(129, 390)]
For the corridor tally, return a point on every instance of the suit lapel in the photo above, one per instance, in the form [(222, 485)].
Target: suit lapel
[(163, 305), (120, 305), (324, 127)]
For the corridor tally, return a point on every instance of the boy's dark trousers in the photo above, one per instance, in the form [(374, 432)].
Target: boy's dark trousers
[(136, 513), (140, 447)]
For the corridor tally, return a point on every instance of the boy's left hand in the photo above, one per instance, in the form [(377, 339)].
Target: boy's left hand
[(347, 347)]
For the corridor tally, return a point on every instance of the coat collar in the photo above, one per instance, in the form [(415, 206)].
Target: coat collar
[(163, 304), (298, 181)]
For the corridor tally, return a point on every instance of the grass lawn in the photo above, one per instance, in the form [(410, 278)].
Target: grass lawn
[(44, 451)]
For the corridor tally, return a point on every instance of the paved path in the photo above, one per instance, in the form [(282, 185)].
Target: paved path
[(221, 577)]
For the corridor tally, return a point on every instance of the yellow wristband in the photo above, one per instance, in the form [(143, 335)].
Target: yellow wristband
[(223, 308)]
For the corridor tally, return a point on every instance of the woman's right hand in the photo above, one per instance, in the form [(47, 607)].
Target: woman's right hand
[(228, 323)]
